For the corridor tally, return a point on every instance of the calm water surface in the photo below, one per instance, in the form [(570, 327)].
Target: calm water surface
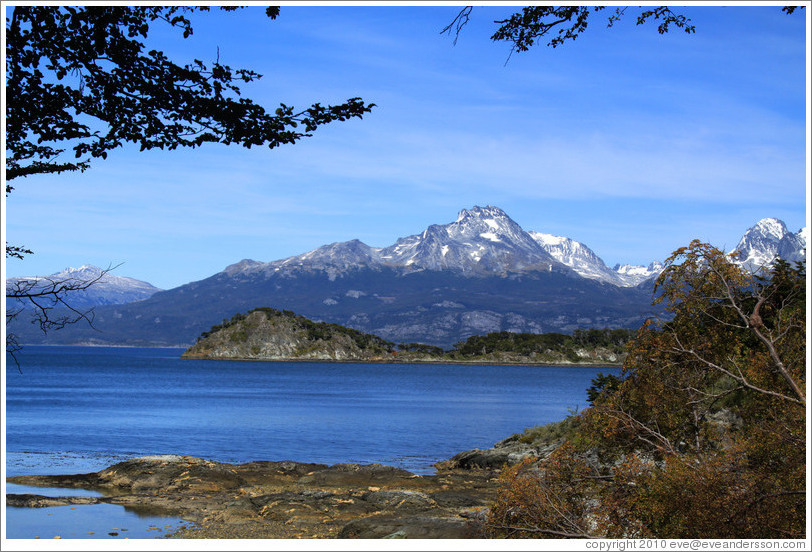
[(80, 409)]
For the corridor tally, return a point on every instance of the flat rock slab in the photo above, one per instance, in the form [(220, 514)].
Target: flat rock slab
[(413, 527), (39, 501), (285, 499)]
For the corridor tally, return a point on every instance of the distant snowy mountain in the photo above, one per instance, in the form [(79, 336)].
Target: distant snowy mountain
[(586, 263), (481, 242), (757, 249), (477, 274), (107, 288), (632, 275), (485, 241), (334, 259), (768, 240)]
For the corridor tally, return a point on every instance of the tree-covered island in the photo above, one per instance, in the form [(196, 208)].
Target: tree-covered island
[(281, 335)]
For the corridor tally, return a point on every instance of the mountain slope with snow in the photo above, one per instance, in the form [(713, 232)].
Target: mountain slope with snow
[(577, 256), (767, 240), (587, 264), (633, 275), (483, 241), (102, 287)]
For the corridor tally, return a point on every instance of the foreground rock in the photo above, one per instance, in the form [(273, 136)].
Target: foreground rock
[(284, 499), (508, 451)]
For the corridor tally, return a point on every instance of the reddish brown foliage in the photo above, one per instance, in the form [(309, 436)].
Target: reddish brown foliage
[(705, 438)]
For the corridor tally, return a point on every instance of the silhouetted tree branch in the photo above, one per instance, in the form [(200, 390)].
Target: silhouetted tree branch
[(47, 301), (562, 23), (81, 82), (559, 24)]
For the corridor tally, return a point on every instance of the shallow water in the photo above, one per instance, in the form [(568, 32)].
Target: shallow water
[(80, 521), (87, 521)]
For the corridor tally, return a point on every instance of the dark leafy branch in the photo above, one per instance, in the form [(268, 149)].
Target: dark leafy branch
[(559, 24), (81, 80), (15, 251), (524, 29)]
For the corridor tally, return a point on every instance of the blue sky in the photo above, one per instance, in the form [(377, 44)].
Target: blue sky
[(631, 142)]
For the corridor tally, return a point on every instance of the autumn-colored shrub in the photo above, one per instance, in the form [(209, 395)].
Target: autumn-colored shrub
[(548, 499), (718, 495), (704, 437)]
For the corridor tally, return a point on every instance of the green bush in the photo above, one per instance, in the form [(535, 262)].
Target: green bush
[(551, 432)]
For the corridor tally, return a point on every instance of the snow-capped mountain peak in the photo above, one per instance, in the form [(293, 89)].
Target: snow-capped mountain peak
[(106, 288), (550, 240), (768, 240), (84, 272), (481, 240), (588, 264), (577, 256), (492, 217), (633, 275), (488, 223), (771, 227)]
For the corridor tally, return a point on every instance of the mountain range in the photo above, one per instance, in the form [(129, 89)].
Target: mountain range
[(483, 241), (478, 274), (106, 289)]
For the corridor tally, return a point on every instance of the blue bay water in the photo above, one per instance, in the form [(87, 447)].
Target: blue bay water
[(80, 409)]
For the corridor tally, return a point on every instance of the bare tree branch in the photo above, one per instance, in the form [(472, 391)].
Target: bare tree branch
[(458, 23), (543, 531), (48, 301)]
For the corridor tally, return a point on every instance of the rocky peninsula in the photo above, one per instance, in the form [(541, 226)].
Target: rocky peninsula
[(283, 499)]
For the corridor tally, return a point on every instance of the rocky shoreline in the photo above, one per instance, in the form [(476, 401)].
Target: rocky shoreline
[(413, 360), (268, 500)]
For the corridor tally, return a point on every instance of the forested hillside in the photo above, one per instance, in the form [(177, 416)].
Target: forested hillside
[(595, 345)]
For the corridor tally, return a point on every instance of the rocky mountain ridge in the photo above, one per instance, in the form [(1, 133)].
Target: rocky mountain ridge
[(588, 264), (106, 289), (481, 242), (768, 240), (485, 241)]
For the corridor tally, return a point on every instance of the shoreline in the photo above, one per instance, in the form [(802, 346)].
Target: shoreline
[(282, 499), (411, 362), (109, 346), (293, 500), (377, 360)]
